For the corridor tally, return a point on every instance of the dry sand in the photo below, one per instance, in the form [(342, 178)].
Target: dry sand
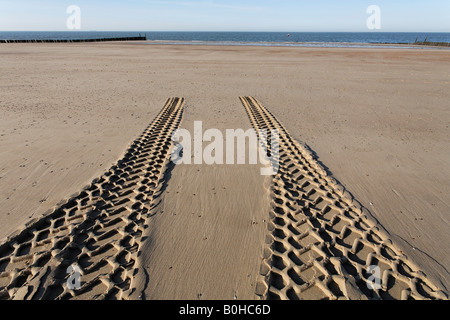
[(376, 118)]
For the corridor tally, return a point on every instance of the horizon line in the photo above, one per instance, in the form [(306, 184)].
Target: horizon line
[(242, 31)]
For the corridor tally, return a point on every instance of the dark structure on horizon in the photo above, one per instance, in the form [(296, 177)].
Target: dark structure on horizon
[(140, 38)]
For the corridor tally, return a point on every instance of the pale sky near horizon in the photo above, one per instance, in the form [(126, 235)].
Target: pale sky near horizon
[(226, 15)]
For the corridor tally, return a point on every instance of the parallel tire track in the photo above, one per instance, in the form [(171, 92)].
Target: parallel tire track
[(100, 229), (322, 243)]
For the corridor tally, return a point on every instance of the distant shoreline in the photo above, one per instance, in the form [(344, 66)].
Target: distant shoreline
[(267, 39), (142, 40), (305, 44)]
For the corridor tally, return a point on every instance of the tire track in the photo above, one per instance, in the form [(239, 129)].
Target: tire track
[(322, 243), (100, 229)]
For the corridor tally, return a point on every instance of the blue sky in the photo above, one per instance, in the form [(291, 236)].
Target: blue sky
[(226, 15)]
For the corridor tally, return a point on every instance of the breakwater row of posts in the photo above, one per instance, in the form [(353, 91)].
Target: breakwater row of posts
[(431, 43), (140, 38)]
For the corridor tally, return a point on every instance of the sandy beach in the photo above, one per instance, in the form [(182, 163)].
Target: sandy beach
[(373, 122)]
